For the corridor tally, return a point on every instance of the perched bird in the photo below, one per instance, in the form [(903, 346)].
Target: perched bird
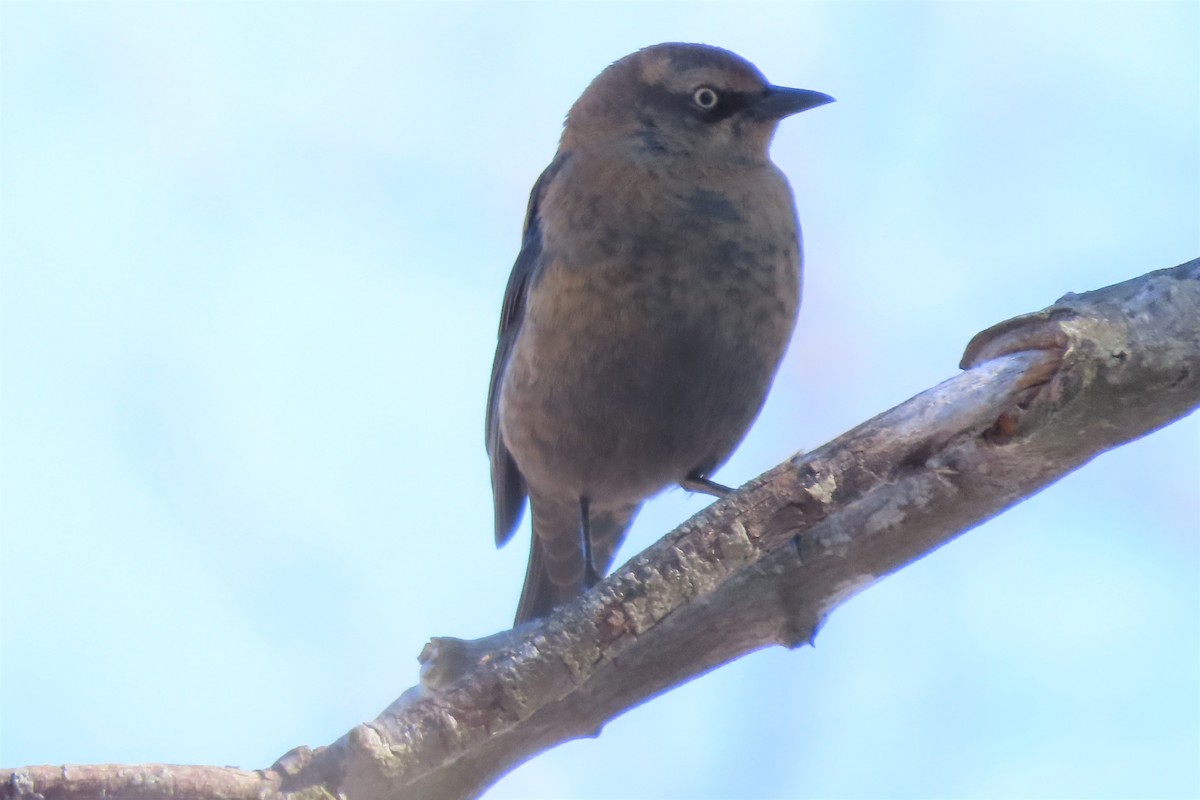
[(650, 305)]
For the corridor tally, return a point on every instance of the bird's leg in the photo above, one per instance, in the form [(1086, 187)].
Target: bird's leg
[(698, 483), (590, 576)]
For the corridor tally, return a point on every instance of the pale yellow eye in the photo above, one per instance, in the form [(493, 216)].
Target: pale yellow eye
[(705, 97)]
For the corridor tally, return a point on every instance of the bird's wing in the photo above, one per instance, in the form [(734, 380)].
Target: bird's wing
[(508, 486)]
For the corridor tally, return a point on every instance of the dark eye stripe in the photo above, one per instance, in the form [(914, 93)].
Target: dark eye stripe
[(728, 104)]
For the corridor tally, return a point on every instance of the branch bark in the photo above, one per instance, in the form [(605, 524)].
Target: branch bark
[(1042, 394)]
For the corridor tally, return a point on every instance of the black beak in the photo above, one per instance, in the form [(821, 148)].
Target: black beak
[(780, 102)]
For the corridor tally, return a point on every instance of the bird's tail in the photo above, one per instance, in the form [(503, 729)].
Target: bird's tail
[(556, 572)]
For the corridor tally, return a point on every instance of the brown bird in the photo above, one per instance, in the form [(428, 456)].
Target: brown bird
[(650, 305)]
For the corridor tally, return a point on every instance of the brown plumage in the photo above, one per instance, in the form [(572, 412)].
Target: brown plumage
[(649, 308)]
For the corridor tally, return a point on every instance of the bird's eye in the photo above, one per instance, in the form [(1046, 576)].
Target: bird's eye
[(705, 98)]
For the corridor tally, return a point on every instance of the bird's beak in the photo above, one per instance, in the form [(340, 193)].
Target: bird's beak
[(781, 101)]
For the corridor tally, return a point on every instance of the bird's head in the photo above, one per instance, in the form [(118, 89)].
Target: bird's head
[(684, 100)]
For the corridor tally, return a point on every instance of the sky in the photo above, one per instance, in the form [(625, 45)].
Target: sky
[(252, 257)]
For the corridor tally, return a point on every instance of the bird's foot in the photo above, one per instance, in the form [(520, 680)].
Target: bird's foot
[(702, 485)]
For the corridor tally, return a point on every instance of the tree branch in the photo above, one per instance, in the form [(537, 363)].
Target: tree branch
[(1042, 394)]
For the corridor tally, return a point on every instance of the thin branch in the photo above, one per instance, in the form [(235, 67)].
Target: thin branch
[(140, 782)]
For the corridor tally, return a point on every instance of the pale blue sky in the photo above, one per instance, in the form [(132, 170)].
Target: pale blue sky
[(252, 262)]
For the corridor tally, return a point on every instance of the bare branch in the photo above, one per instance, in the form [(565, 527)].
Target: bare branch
[(1043, 394), (141, 782)]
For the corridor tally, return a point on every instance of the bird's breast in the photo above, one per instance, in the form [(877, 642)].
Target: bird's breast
[(654, 326), (670, 246)]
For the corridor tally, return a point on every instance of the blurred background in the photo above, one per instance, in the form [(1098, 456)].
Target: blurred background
[(253, 257)]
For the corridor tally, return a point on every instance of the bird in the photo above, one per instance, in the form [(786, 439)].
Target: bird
[(655, 291)]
